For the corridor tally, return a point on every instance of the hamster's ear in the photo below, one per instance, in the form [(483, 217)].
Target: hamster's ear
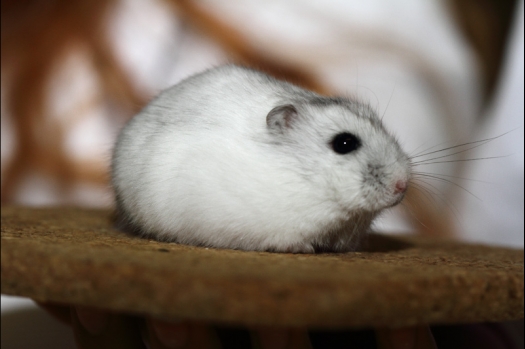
[(281, 117)]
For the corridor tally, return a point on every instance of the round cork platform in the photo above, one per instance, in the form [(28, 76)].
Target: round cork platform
[(74, 256)]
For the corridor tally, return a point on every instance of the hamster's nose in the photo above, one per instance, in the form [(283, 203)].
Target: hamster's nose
[(400, 187)]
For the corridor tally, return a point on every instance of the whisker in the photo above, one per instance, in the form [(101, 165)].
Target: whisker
[(428, 149), (420, 147), (447, 181), (421, 181), (456, 177), (429, 190), (425, 192), (372, 92), (448, 155), (411, 212), (389, 99), (420, 163), (482, 141), (444, 199)]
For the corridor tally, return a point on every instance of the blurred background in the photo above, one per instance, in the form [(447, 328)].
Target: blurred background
[(439, 72)]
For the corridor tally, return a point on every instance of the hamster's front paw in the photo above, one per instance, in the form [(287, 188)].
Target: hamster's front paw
[(300, 248)]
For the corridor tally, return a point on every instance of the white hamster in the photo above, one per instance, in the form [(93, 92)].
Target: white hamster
[(233, 158)]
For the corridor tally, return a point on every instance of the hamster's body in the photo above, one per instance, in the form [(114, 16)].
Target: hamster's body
[(232, 158)]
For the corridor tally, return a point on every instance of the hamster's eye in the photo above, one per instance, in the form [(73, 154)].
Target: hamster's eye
[(345, 143)]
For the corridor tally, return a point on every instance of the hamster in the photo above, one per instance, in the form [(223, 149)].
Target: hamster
[(233, 158)]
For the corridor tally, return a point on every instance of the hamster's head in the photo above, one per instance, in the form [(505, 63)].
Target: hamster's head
[(341, 147)]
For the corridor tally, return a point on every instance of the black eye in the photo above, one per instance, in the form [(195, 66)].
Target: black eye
[(345, 143)]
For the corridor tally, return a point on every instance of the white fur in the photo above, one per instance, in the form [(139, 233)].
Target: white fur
[(199, 165)]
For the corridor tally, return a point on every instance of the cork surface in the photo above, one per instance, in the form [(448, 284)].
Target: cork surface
[(74, 256)]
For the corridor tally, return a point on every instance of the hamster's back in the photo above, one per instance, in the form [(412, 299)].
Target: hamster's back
[(227, 96)]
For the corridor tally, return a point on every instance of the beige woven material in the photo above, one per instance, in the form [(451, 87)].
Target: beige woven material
[(74, 256)]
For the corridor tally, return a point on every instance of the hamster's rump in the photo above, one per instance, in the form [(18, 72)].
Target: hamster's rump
[(233, 158)]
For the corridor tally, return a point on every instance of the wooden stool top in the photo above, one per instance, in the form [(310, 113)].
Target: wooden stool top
[(74, 256)]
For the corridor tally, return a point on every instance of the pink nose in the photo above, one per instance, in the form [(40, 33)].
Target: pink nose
[(401, 187)]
